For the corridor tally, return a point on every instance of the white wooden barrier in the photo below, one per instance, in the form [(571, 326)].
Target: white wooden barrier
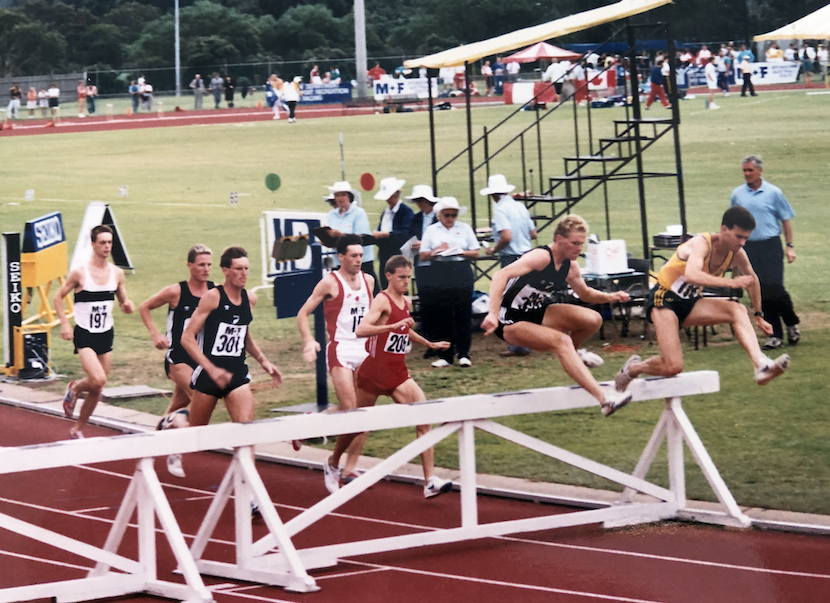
[(274, 559)]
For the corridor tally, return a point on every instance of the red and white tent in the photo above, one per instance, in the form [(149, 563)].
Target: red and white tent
[(542, 50)]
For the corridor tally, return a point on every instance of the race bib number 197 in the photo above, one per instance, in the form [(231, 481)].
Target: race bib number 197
[(230, 340)]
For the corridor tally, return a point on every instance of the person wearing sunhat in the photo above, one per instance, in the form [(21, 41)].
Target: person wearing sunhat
[(513, 231), (348, 217), (393, 229), (448, 245), (423, 198)]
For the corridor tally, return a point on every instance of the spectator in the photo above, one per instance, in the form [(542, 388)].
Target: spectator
[(711, 74), (746, 74), (291, 95), (686, 58), (772, 213), (822, 60), (31, 101), (703, 56), (487, 74), (216, 86), (513, 231), (273, 92), (448, 245), (446, 75), (395, 221), (198, 87), (723, 63), (43, 101), (790, 54), (146, 92), (376, 72), (808, 62), (81, 98), (54, 99), (745, 53), (335, 75), (774, 54), (13, 110), (423, 198), (555, 73), (657, 82), (498, 74), (326, 78), (91, 97), (228, 89), (135, 95), (513, 70), (315, 72), (348, 217)]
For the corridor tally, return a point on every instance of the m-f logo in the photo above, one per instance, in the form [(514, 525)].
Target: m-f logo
[(15, 300)]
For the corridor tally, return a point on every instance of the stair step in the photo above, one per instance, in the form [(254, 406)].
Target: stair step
[(645, 120), (618, 176), (624, 139), (545, 198), (597, 158)]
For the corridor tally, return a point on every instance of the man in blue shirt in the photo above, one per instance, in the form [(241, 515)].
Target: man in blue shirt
[(513, 229), (348, 217), (772, 213)]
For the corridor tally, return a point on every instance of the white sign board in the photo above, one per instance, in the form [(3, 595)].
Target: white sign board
[(277, 224), (389, 88), (771, 73), (30, 194)]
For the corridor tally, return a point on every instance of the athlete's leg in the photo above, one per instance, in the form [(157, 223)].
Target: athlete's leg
[(180, 375), (356, 446), (577, 321), (543, 338), (710, 311), (407, 393), (670, 361), (96, 368), (345, 441), (201, 408)]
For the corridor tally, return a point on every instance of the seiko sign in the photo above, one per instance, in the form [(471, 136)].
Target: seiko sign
[(43, 232)]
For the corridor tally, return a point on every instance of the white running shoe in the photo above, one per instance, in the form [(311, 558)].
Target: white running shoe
[(464, 362), (440, 363), (331, 476), (589, 359), (771, 369), (174, 465), (622, 378), (614, 401), (436, 486), (713, 106)]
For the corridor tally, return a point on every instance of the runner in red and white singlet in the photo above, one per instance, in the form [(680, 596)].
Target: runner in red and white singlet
[(343, 313)]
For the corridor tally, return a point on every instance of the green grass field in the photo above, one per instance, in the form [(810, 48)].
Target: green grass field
[(769, 443)]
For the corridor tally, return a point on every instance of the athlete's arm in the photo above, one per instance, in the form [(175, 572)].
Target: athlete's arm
[(698, 248), (374, 323), (742, 263), (208, 304), (324, 290), (433, 345), (252, 298), (253, 349), (170, 296), (127, 306), (589, 294), (72, 282), (532, 260)]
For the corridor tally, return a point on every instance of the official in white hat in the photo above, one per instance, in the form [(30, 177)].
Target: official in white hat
[(513, 231), (348, 217), (449, 245), (395, 221)]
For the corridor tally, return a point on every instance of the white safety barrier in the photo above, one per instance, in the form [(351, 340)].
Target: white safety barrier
[(274, 560)]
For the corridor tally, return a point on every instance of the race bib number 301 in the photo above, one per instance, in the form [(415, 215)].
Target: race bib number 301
[(396, 343), (230, 340)]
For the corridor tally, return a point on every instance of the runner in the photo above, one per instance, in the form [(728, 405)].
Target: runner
[(181, 299), (346, 294), (96, 285), (523, 311), (384, 373), (677, 302)]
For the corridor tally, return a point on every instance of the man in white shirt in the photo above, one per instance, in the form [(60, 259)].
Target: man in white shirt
[(393, 230), (711, 74), (555, 73)]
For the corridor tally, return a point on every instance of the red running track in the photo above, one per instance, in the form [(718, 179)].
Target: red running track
[(670, 562)]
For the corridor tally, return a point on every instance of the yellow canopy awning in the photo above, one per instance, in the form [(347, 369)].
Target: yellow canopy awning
[(815, 26), (538, 33)]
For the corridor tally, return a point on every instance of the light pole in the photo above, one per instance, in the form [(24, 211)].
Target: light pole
[(178, 50), (360, 47)]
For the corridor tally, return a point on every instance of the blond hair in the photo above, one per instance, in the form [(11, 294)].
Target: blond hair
[(569, 224)]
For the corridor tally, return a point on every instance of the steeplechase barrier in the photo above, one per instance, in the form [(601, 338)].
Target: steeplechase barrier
[(274, 559)]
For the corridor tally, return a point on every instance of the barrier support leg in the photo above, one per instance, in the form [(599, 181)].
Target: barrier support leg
[(467, 464)]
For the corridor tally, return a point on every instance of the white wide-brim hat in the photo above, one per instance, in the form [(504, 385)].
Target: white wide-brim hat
[(497, 185), (448, 203), (422, 191), (343, 186), (388, 187)]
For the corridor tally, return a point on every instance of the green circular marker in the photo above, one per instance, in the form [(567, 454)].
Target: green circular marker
[(272, 181)]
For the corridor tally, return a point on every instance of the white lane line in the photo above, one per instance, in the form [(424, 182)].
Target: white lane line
[(517, 585), (374, 570), (43, 560)]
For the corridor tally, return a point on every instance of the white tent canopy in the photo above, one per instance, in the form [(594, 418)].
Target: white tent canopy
[(815, 26), (538, 33)]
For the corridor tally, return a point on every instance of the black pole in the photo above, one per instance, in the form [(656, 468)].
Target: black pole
[(675, 115), (321, 371), (636, 121), (432, 136), (539, 148), (470, 145)]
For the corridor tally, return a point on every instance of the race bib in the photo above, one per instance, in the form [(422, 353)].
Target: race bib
[(684, 289), (98, 319), (396, 343), (528, 299), (230, 340)]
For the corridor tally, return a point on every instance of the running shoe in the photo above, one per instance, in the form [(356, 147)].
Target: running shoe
[(255, 512), (436, 486), (174, 465), (75, 435), (793, 334), (589, 359), (464, 361), (614, 401), (771, 369), (331, 476), (440, 363), (296, 444), (622, 378), (69, 400), (713, 106), (773, 343), (348, 479)]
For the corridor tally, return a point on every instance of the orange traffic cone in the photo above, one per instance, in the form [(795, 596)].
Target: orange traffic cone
[(8, 125), (50, 123), (129, 110), (259, 104)]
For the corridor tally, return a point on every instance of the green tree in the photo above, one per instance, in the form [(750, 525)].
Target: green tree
[(28, 47), (130, 18), (303, 28)]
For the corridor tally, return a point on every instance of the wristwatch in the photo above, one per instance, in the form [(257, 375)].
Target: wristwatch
[(759, 314), (790, 245)]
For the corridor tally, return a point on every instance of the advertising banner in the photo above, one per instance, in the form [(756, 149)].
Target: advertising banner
[(12, 293), (389, 88), (317, 94)]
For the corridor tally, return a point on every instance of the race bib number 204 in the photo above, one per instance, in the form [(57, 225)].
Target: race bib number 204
[(230, 340)]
